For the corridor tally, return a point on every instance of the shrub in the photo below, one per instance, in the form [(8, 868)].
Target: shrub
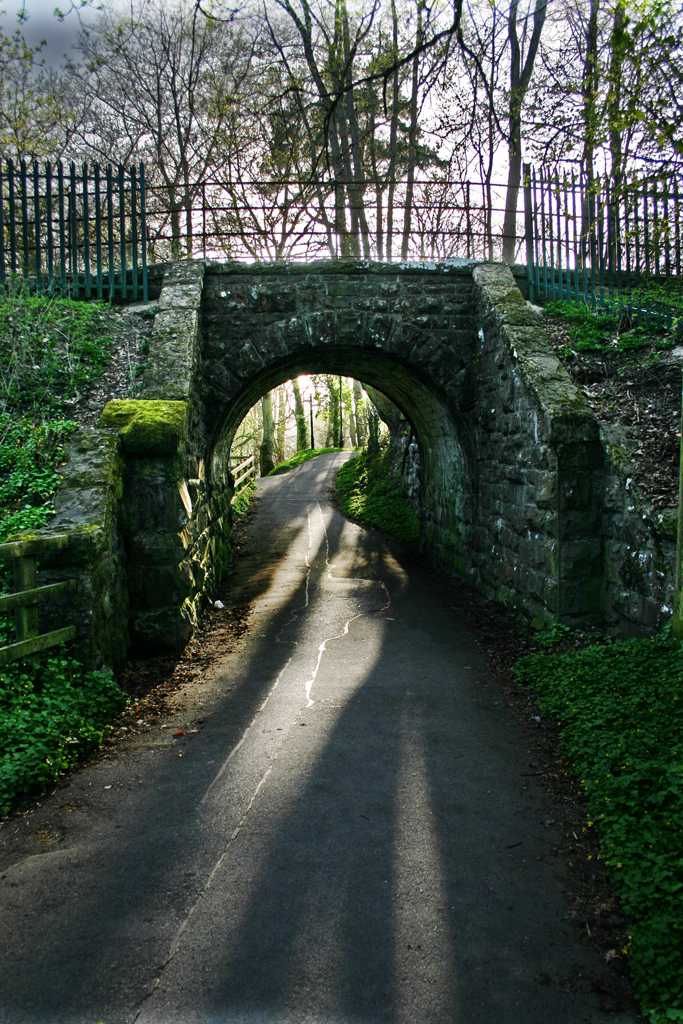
[(51, 714)]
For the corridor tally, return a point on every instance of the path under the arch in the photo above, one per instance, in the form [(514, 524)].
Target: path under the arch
[(351, 835)]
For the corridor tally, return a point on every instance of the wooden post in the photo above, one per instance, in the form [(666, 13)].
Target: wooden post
[(26, 616)]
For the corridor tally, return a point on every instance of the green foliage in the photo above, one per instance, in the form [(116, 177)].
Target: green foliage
[(51, 350), (371, 495), (50, 715), (553, 636), (29, 456), (302, 456), (243, 499), (620, 706), (609, 329)]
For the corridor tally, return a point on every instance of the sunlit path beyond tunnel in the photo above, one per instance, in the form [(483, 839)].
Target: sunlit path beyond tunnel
[(349, 839)]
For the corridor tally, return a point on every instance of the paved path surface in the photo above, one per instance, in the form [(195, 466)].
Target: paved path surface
[(348, 839)]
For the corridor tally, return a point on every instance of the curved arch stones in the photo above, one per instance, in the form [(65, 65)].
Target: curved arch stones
[(511, 458)]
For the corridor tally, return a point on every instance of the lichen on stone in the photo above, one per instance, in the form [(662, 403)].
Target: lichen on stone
[(147, 427)]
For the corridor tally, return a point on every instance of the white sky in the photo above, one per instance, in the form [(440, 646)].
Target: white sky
[(43, 24)]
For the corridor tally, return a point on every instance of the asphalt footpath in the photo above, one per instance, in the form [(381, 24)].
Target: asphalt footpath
[(346, 833)]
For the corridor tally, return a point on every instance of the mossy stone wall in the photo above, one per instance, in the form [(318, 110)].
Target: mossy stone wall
[(518, 492)]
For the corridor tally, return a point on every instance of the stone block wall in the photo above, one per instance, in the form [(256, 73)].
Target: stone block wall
[(518, 492), (89, 508), (530, 536), (639, 547)]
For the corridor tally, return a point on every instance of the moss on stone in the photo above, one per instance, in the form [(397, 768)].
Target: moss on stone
[(147, 427)]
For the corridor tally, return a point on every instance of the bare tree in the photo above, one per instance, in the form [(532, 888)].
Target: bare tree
[(520, 77), (161, 86)]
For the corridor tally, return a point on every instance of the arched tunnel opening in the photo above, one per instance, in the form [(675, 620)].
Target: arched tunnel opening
[(445, 462)]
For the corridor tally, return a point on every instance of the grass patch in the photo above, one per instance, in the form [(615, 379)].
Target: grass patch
[(50, 716), (303, 456), (243, 500), (605, 330), (51, 351), (620, 706), (368, 493)]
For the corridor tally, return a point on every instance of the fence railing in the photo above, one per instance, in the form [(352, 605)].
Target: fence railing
[(242, 474), (28, 595), (620, 249), (297, 220), (80, 233)]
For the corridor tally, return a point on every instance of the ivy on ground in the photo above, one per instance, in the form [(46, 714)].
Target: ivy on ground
[(51, 351), (608, 329), (620, 706), (369, 493), (51, 714)]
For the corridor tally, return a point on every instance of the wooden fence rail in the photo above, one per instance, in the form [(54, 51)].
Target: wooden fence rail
[(27, 596), (242, 473)]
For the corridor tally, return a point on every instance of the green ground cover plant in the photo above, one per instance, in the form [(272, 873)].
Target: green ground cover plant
[(369, 493), (51, 351), (620, 706), (51, 714), (606, 330), (243, 499), (30, 454), (302, 456)]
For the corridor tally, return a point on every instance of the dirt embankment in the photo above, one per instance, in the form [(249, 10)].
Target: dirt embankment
[(639, 391)]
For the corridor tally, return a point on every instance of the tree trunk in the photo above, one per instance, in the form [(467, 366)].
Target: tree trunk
[(352, 422), (267, 447), (520, 76), (589, 88), (281, 423), (358, 412), (412, 138), (300, 416), (393, 133)]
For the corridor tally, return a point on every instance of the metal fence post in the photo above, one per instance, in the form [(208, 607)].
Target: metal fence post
[(529, 234)]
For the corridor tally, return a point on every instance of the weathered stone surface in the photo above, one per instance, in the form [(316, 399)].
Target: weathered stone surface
[(174, 344), (88, 509), (147, 427), (517, 491)]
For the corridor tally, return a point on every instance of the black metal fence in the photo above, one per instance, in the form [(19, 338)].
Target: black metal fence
[(616, 249), (300, 220), (80, 233), (88, 232)]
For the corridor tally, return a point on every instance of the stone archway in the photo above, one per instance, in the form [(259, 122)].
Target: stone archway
[(510, 450)]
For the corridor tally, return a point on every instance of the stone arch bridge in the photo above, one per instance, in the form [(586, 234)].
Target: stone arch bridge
[(519, 495)]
